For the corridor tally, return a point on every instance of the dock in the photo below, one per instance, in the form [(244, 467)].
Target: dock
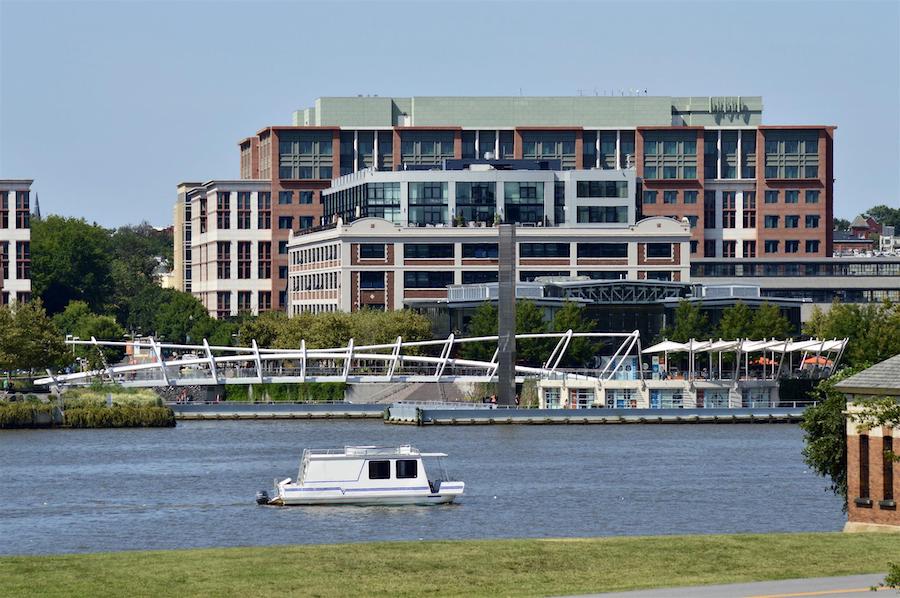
[(235, 410), (423, 415)]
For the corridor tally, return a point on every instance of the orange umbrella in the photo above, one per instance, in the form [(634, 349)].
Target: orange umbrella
[(763, 361), (817, 360)]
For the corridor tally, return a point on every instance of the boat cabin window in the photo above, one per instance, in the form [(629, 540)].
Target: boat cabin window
[(407, 468), (379, 470)]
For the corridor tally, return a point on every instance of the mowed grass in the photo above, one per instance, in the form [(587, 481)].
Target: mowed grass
[(464, 568)]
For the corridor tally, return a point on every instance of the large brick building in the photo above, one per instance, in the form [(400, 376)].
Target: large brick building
[(747, 189)]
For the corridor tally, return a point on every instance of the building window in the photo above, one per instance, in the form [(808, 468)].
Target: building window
[(4, 259), (243, 300), (729, 154), (660, 276), (243, 209), (649, 197), (690, 197), (550, 145), (285, 222), (770, 221), (479, 276), (23, 210), (264, 265), (264, 300), (749, 209), (812, 196), (791, 196), (282, 248), (670, 155), (223, 211), (670, 197), (428, 251), (729, 248), (692, 220), (305, 155), (264, 210), (532, 275), (4, 209), (559, 203), (748, 154), (792, 154), (223, 260), (282, 272), (23, 260), (749, 248), (864, 466), (729, 207), (480, 250), (371, 280), (791, 221), (426, 147), (771, 246), (711, 154), (476, 202), (694, 245), (428, 204), (812, 221), (772, 196), (709, 209), (427, 280), (791, 246), (370, 251), (709, 248), (285, 198), (306, 197), (524, 202), (602, 214), (602, 189), (603, 250), (887, 467), (659, 250), (244, 260), (812, 246), (282, 299), (223, 304), (305, 222), (544, 250)]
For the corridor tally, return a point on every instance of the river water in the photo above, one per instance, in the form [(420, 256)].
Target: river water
[(194, 485)]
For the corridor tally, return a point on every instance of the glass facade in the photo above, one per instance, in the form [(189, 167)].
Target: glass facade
[(476, 202), (428, 204), (524, 202)]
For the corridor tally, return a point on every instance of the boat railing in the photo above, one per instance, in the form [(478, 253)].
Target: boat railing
[(363, 451)]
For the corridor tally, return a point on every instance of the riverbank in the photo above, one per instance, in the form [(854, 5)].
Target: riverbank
[(497, 567), (100, 407)]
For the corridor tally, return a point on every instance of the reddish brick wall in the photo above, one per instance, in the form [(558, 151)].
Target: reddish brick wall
[(874, 513)]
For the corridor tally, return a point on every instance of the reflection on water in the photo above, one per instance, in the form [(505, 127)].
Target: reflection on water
[(194, 485)]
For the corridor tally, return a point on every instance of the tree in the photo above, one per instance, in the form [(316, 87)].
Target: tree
[(690, 322), (265, 329), (78, 320), (769, 323), (70, 261), (581, 350), (179, 316), (841, 224), (28, 338), (873, 330), (482, 323), (825, 433), (736, 322), (885, 215)]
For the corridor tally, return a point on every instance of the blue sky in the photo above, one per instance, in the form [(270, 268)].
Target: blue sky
[(108, 105)]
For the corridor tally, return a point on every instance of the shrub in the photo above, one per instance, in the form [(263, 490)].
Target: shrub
[(120, 416)]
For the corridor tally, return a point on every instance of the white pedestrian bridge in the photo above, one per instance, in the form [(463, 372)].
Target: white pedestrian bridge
[(401, 361)]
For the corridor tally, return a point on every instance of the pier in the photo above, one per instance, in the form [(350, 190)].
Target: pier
[(236, 410)]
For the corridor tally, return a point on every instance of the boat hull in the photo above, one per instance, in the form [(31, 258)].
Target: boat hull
[(296, 496)]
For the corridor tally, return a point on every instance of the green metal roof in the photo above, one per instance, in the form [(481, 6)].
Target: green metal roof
[(524, 111)]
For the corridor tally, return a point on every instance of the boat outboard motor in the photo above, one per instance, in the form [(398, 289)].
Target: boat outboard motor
[(262, 497)]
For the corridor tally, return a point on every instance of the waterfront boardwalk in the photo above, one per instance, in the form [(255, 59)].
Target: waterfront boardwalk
[(461, 414)]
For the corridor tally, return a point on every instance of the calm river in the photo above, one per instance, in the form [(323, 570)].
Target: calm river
[(194, 485)]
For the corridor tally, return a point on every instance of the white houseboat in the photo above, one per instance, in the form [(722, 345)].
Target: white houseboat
[(364, 475)]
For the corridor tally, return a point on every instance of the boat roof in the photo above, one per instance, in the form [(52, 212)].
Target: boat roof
[(358, 452)]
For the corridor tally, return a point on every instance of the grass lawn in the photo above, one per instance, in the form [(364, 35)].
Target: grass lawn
[(491, 567)]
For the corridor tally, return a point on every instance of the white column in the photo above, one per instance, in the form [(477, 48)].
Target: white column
[(355, 151), (719, 155), (478, 155), (497, 144), (375, 150), (740, 169), (597, 151), (619, 149)]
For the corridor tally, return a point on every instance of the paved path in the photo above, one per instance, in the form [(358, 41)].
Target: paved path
[(830, 587)]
